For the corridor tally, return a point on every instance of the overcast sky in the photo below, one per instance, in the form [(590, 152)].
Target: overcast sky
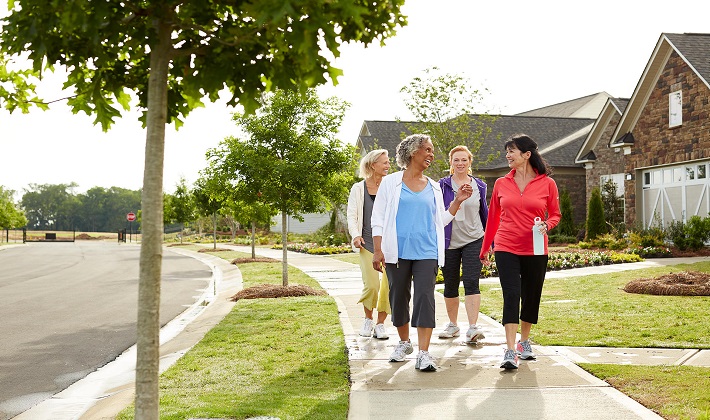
[(527, 54)]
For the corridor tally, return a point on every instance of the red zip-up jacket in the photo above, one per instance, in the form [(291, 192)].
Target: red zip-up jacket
[(511, 214)]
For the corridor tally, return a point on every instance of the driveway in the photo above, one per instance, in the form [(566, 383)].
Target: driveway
[(67, 309)]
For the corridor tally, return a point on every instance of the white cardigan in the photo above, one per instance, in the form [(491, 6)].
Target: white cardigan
[(384, 216), (356, 203)]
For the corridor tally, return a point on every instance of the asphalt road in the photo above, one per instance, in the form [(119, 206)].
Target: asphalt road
[(67, 309)]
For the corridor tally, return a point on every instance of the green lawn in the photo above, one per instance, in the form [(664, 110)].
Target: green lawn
[(282, 357)]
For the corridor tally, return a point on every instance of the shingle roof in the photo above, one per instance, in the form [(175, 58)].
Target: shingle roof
[(558, 138), (584, 107), (696, 50)]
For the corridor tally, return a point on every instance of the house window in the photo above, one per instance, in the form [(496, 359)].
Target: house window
[(689, 173), (647, 178), (617, 179), (675, 109), (701, 172)]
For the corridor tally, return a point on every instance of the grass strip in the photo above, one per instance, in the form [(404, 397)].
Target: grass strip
[(282, 358), (595, 311)]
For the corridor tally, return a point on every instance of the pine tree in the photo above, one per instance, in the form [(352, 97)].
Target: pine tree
[(596, 225), (566, 225)]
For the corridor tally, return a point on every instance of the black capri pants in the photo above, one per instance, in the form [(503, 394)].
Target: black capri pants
[(462, 260), (400, 277), (521, 278)]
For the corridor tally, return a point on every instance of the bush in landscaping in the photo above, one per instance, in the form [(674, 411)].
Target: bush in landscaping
[(596, 225), (566, 226)]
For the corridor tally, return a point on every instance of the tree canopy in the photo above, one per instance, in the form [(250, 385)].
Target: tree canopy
[(443, 105), (290, 159), (11, 217)]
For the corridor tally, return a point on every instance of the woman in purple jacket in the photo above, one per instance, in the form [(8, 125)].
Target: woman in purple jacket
[(463, 239)]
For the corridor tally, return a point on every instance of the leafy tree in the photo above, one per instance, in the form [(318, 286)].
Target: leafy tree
[(209, 195), (596, 224), (249, 211), (11, 216), (50, 206), (182, 205), (171, 54), (566, 226), (442, 105), (291, 158)]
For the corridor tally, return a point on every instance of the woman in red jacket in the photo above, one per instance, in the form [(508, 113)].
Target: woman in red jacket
[(518, 199)]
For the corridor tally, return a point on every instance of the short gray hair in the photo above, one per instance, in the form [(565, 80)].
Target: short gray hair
[(409, 146), (366, 162)]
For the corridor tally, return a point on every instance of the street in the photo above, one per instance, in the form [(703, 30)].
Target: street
[(67, 309)]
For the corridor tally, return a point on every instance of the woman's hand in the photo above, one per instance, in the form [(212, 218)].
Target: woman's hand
[(378, 261), (358, 242), (464, 192), (486, 260)]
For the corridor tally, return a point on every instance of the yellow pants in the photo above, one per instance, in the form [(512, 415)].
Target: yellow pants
[(376, 289)]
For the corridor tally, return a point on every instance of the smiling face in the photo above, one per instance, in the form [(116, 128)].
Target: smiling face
[(424, 156), (460, 162), (381, 166), (516, 159)]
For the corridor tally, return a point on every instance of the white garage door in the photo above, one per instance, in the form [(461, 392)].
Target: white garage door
[(675, 193)]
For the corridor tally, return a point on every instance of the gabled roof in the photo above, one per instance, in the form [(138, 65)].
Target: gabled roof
[(558, 138), (584, 107), (613, 107), (694, 49)]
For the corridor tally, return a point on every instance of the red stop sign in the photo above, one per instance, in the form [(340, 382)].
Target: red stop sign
[(131, 216)]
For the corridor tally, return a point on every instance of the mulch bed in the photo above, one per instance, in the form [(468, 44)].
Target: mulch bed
[(276, 291), (684, 283), (252, 260)]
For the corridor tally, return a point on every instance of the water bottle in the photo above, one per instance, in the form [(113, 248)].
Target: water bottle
[(538, 238)]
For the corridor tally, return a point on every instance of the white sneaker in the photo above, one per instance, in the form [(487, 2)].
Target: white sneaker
[(450, 331), (366, 330), (425, 363), (401, 351), (474, 334), (380, 332)]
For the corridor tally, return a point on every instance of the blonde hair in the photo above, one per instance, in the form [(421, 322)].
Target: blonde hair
[(366, 170), (460, 148)]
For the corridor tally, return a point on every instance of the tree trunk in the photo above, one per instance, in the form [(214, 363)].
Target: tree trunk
[(151, 254), (284, 241), (214, 230), (253, 239)]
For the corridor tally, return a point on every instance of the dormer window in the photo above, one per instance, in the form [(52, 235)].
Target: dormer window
[(675, 109)]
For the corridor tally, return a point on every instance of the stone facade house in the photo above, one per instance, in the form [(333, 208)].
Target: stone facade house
[(658, 145)]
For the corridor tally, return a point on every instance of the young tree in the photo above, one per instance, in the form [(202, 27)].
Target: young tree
[(172, 54), (596, 225), (11, 217), (613, 203), (210, 196), (182, 205), (443, 106), (291, 158)]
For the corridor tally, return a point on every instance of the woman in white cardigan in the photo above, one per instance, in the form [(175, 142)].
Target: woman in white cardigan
[(408, 222), (373, 167)]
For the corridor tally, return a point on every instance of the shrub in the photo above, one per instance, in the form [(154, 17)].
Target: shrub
[(595, 216), (697, 231), (566, 225), (676, 233)]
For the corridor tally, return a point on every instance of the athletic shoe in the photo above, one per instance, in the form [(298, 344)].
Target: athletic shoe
[(450, 331), (401, 351), (524, 349), (474, 334), (510, 360), (366, 330), (380, 332), (425, 363)]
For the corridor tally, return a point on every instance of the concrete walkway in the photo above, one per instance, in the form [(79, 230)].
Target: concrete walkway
[(469, 382)]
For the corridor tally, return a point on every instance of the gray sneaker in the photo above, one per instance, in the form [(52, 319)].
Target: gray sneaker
[(474, 334), (510, 360), (524, 349), (425, 363), (366, 330), (401, 351), (450, 331)]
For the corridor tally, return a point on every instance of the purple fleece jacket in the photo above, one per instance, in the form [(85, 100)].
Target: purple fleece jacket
[(448, 192)]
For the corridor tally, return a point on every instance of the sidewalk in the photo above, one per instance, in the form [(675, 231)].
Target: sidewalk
[(469, 382)]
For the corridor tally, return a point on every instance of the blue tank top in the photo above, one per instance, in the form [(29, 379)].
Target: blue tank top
[(416, 231)]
